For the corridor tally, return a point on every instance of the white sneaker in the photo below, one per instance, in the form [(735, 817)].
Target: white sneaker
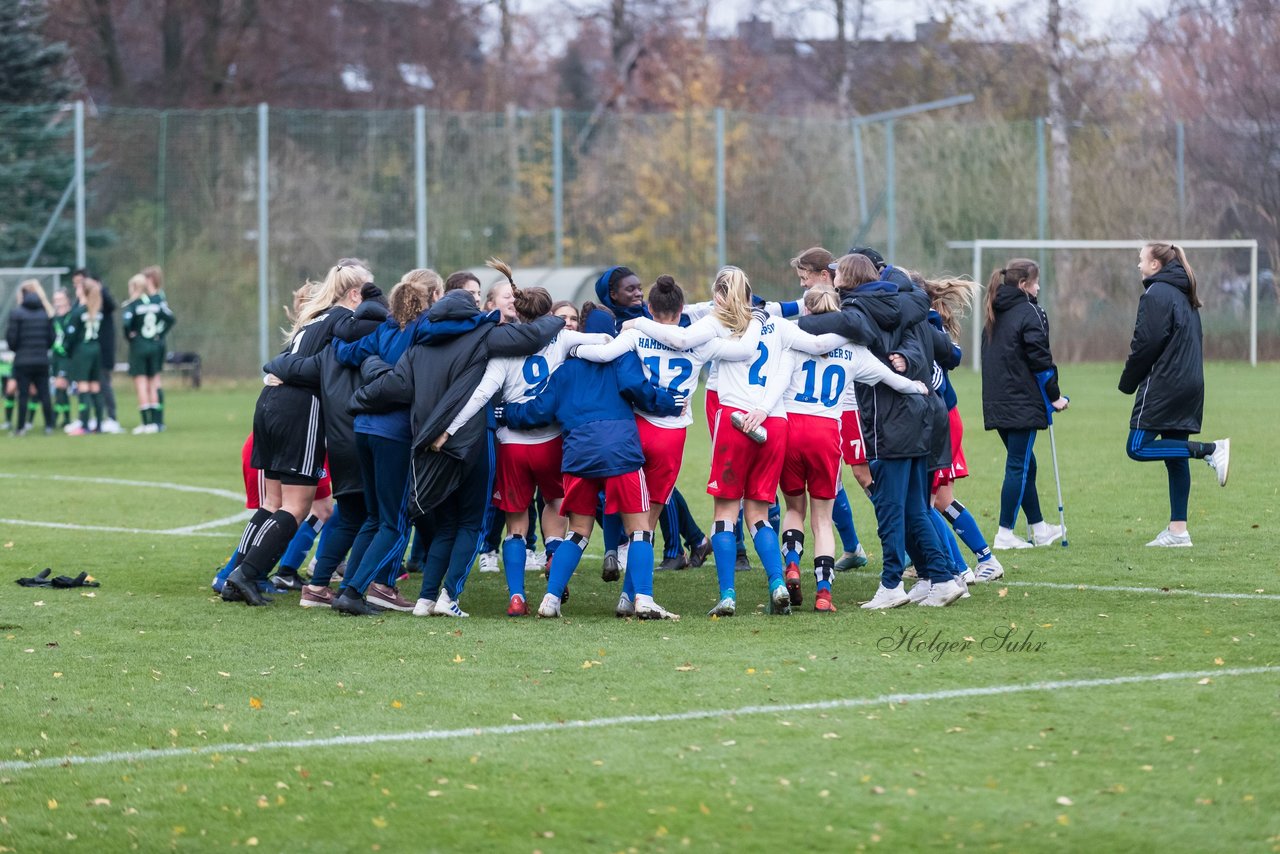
[(647, 609), (1042, 533), (780, 600), (446, 607), (919, 591), (1219, 461), (424, 607), (965, 585), (74, 428), (726, 607), (140, 429), (1007, 539), (152, 428), (1169, 539), (943, 594), (626, 608), (110, 425), (988, 570), (887, 597), (534, 560), (967, 576), (489, 562), (550, 606)]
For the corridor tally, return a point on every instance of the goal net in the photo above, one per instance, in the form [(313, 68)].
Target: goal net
[(1090, 291)]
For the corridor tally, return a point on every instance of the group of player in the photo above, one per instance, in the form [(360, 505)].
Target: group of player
[(529, 409), (66, 347)]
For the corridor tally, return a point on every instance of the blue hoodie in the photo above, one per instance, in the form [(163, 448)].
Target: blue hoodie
[(388, 342), (594, 404)]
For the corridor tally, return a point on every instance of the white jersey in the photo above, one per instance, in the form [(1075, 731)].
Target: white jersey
[(674, 369), (762, 382), (702, 322), (823, 385), (521, 378)]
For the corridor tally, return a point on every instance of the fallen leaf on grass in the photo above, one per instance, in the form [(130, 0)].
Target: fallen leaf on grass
[(1064, 801), (1219, 662), (1002, 592), (685, 668), (52, 804), (100, 802), (458, 659), (255, 703), (396, 704), (379, 822), (1205, 681)]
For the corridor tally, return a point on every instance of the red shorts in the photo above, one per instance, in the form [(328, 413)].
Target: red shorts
[(663, 453), (812, 461), (959, 468), (522, 468), (852, 447), (713, 406), (740, 468), (623, 493), (255, 481)]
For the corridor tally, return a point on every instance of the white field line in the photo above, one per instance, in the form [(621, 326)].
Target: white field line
[(625, 720), (108, 529), (112, 481), (197, 530), (1157, 591)]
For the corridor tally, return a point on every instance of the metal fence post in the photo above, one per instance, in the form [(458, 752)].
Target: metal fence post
[(859, 168), (976, 314), (722, 249), (420, 182), (1182, 178), (161, 202), (79, 177), (891, 193), (557, 182), (263, 278), (1042, 190)]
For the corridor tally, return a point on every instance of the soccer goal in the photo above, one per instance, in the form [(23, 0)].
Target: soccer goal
[(1097, 311), (11, 277)]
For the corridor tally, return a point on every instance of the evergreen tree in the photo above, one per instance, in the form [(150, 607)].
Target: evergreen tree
[(36, 150)]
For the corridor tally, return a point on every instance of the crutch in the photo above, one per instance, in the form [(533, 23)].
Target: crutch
[(1042, 379)]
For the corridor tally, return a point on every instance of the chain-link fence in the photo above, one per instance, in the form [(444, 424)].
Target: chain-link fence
[(669, 193)]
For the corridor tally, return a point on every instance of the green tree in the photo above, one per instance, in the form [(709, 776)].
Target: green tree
[(36, 161)]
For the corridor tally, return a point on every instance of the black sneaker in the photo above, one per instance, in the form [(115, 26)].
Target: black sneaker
[(239, 583), (673, 563), (698, 554), (352, 604), (287, 582), (611, 570), (742, 564)]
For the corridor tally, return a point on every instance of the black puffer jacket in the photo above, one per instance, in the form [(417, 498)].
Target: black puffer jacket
[(894, 426), (1166, 360), (1014, 350), (30, 333), (435, 378), (107, 331), (324, 375)]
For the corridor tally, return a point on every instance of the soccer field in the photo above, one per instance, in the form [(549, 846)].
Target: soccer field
[(1102, 696)]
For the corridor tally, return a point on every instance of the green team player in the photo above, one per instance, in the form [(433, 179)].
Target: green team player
[(59, 362), (10, 389), (155, 287), (145, 320), (81, 341)]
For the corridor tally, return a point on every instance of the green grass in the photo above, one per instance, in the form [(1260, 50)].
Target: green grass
[(153, 660)]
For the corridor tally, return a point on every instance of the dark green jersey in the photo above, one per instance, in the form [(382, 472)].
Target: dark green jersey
[(80, 329), (146, 318)]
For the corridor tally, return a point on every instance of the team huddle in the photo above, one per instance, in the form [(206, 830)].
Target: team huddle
[(433, 411)]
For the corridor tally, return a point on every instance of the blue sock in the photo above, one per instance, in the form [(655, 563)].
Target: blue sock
[(513, 564), (945, 539), (967, 529), (740, 538), (824, 569), (792, 546), (724, 549), (842, 517), (568, 555), (949, 542), (226, 570), (553, 543), (640, 564), (767, 546), (611, 531), (301, 543)]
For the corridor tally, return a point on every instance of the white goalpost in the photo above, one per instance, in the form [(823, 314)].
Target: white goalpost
[(977, 247), (11, 277)]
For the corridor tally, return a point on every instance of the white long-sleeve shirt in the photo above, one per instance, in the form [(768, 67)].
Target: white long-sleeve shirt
[(823, 385), (674, 369), (520, 378)]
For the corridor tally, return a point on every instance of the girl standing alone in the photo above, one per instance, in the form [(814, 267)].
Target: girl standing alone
[(1018, 377), (1166, 369)]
